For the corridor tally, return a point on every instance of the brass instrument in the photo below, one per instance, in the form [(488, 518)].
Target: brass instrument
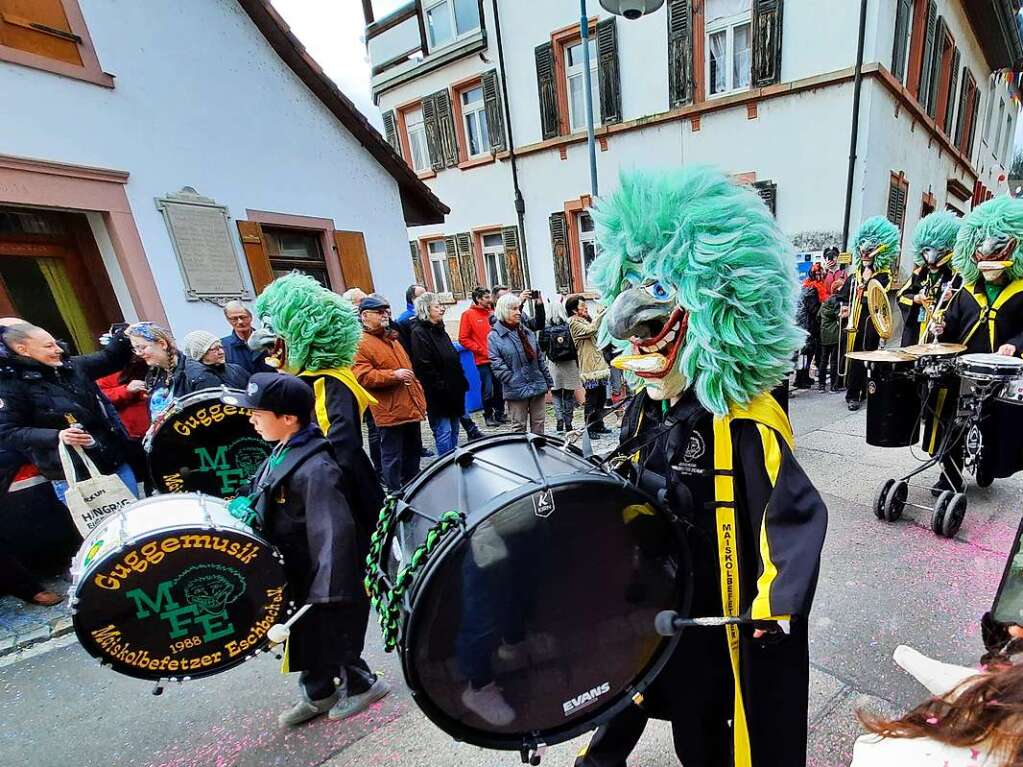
[(880, 310), (856, 294), (941, 306)]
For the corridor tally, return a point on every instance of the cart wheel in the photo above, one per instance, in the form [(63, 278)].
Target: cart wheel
[(954, 515), (882, 491), (940, 508), (895, 501)]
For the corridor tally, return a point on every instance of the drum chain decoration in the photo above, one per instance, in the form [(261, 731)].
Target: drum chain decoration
[(387, 602)]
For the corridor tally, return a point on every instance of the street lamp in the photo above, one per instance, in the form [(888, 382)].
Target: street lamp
[(631, 10)]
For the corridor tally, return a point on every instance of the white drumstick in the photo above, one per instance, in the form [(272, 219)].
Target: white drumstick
[(279, 632)]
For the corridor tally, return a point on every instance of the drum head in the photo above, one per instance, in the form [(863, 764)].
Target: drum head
[(178, 603), (539, 624), (205, 446)]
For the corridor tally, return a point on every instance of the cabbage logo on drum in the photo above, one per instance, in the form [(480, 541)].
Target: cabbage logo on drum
[(588, 698)]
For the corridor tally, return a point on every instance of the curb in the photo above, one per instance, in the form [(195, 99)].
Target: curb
[(34, 635)]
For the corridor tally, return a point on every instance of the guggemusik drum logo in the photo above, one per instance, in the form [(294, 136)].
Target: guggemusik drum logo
[(232, 464)]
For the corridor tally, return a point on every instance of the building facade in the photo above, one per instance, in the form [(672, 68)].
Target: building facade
[(157, 159), (485, 99)]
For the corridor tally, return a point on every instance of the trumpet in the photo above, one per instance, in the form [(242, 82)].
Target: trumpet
[(934, 316)]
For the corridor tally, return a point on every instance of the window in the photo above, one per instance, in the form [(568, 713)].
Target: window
[(416, 130), (493, 259), (729, 46), (1007, 149), (587, 246), (449, 20), (474, 118), (439, 266), (998, 126), (296, 250), (575, 74)]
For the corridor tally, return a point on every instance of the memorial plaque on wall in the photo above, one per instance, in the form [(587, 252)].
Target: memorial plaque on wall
[(204, 246)]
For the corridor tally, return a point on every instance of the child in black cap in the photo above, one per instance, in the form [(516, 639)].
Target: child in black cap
[(298, 500)]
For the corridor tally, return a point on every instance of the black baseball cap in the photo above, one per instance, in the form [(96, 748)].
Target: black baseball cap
[(279, 393)]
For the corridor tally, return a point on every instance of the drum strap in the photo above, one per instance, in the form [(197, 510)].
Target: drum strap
[(768, 415)]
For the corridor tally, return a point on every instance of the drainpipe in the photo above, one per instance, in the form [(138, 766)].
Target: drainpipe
[(520, 203), (854, 133), (584, 28)]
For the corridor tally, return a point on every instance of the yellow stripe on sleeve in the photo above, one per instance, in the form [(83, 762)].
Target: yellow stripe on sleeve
[(761, 607), (320, 391)]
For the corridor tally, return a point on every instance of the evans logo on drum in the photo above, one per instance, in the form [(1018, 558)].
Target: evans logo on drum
[(587, 698)]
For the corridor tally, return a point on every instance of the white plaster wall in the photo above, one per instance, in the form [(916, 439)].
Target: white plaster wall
[(202, 100)]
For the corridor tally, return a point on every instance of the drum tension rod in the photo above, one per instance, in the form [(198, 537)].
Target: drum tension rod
[(532, 754)]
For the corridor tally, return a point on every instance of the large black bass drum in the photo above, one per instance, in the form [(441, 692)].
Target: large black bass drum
[(519, 582), (202, 444)]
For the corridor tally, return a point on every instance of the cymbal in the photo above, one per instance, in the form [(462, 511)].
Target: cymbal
[(933, 350), (881, 355)]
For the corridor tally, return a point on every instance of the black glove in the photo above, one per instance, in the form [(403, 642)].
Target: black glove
[(999, 645)]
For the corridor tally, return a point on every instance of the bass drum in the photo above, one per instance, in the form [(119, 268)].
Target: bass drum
[(893, 403), (202, 444), (174, 587), (534, 622)]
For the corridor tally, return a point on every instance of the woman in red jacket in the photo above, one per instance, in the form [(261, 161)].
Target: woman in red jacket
[(127, 392)]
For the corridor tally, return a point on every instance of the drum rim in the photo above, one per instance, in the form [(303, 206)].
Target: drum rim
[(90, 646), (554, 736)]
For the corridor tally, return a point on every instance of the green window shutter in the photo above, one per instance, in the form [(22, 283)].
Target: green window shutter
[(391, 131), (559, 249), (950, 100), (903, 13), (451, 251), (550, 123), (927, 73), (432, 135), (680, 52), (767, 16), (495, 111), (608, 72), (417, 262), (466, 261)]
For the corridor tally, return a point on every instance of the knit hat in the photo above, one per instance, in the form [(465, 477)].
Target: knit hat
[(197, 343)]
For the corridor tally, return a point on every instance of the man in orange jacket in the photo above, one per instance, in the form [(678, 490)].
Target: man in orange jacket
[(383, 367), (473, 329)]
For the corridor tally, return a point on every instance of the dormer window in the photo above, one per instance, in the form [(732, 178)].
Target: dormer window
[(450, 20)]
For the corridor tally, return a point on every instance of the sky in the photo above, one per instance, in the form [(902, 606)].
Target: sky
[(332, 31)]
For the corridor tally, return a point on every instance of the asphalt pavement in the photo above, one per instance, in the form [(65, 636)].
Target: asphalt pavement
[(880, 585)]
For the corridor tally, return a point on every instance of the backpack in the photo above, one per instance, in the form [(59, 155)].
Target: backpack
[(556, 342)]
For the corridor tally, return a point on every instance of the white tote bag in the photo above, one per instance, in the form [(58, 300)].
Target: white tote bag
[(92, 500)]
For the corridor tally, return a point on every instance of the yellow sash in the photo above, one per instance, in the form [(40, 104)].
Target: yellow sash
[(347, 377)]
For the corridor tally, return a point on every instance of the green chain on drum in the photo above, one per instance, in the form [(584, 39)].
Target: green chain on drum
[(387, 602)]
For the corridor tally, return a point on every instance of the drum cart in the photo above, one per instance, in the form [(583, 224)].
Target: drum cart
[(963, 433)]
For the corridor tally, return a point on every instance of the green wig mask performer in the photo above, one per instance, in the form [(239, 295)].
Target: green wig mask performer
[(701, 282), (986, 315), (875, 248), (933, 241), (313, 332)]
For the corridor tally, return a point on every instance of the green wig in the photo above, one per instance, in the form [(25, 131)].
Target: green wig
[(319, 328), (880, 231), (938, 231), (718, 246), (997, 216)]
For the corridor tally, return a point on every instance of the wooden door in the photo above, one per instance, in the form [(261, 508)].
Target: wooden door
[(351, 253)]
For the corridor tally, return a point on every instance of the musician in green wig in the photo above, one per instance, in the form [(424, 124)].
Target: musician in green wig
[(701, 283), (933, 241)]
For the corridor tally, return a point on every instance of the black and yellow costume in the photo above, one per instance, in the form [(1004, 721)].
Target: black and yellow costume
[(757, 526), (929, 282), (984, 317), (864, 336)]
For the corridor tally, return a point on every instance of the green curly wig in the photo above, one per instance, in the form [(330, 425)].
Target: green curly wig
[(731, 267), (881, 231), (1000, 215), (938, 231), (320, 329)]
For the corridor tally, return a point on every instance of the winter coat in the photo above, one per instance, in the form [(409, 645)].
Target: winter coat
[(473, 332), (189, 376), (831, 323), (592, 365), (379, 355), (438, 368), (520, 377), (131, 405), (232, 376), (809, 305), (38, 401), (237, 352), (305, 510)]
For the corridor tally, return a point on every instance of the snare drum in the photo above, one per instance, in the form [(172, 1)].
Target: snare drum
[(544, 598), (176, 588), (202, 445), (989, 368)]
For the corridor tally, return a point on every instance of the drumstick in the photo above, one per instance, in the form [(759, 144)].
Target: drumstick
[(279, 632), (667, 623)]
